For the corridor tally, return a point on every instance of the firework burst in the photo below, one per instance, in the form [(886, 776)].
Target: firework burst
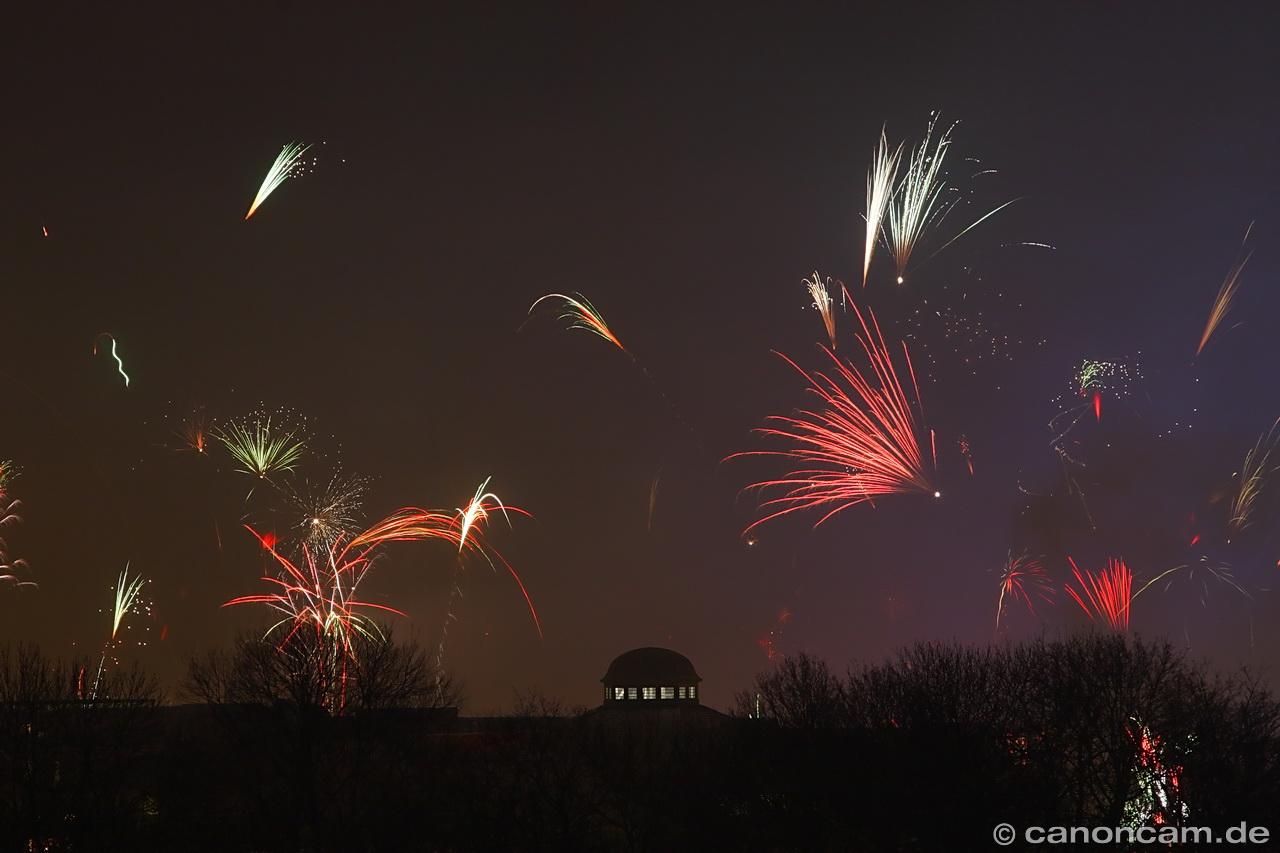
[(1201, 571), (1255, 470), (477, 510), (1107, 596), (1020, 578), (820, 291), (288, 164), (127, 590), (581, 314), (1093, 381), (918, 204), (9, 569), (319, 592), (196, 429), (127, 601), (261, 448), (880, 179), (466, 528), (316, 597), (327, 511), (862, 443), (1226, 296)]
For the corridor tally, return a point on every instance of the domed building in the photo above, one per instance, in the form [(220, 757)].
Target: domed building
[(652, 677)]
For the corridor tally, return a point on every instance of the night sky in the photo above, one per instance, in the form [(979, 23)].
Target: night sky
[(685, 167)]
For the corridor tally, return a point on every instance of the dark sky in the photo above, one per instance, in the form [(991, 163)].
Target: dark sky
[(684, 166)]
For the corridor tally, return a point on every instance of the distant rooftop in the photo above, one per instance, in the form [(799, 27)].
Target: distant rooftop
[(650, 666)]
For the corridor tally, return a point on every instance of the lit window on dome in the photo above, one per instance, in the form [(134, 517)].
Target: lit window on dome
[(668, 693), (632, 693), (619, 693), (651, 693)]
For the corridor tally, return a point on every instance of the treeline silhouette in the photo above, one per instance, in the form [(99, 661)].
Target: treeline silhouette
[(928, 751)]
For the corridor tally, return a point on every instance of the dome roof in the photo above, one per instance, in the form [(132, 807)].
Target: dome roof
[(650, 666)]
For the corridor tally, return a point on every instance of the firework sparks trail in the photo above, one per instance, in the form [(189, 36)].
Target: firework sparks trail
[(820, 291), (880, 180), (126, 602), (114, 354), (1108, 594), (917, 205), (478, 510), (287, 165), (1020, 577), (1255, 470), (1226, 296), (260, 448), (863, 443), (1219, 572), (8, 518), (581, 314), (465, 529), (126, 597)]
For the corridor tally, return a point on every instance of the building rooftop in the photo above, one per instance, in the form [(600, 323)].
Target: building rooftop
[(650, 666)]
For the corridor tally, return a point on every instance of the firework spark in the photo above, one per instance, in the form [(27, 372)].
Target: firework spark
[(820, 291), (285, 166), (114, 354), (1020, 577), (880, 179), (1226, 296), (260, 448), (863, 443), (1107, 595), (581, 314)]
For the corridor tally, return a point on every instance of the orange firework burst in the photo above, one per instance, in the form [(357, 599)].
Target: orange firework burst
[(862, 443)]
